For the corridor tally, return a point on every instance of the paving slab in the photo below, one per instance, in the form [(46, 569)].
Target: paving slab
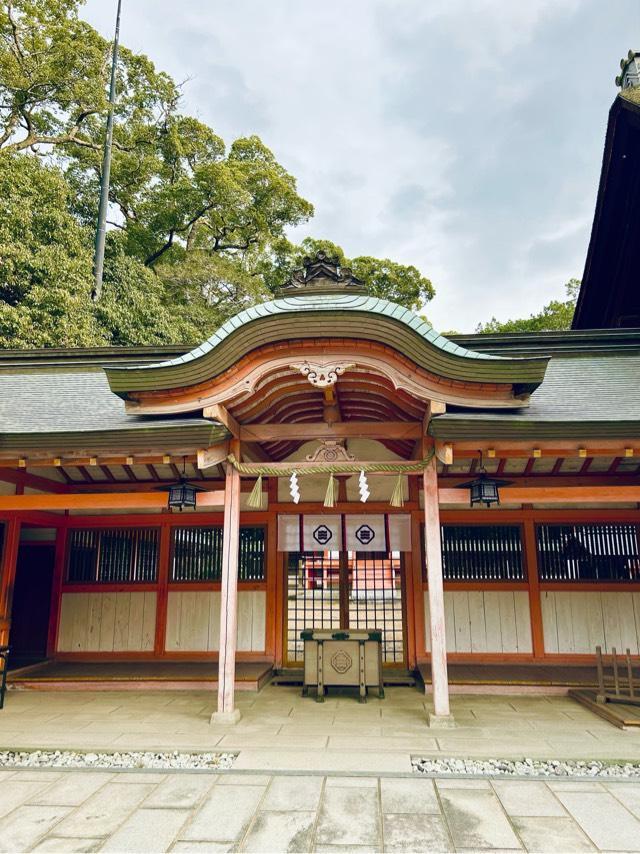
[(280, 831), (18, 791), (69, 846), (604, 819), (349, 816), (180, 791), (147, 830), (461, 783), (26, 825), (293, 794), (102, 813), (225, 814), (476, 820), (409, 796), (192, 847), (551, 835), (403, 832), (527, 798), (72, 788), (349, 782), (327, 761), (628, 794)]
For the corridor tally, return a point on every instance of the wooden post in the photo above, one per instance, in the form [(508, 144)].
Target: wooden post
[(227, 713), (533, 578), (162, 591), (7, 576), (62, 536), (433, 552)]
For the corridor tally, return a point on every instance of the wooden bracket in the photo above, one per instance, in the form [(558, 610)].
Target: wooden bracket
[(444, 452), (213, 456), (220, 413)]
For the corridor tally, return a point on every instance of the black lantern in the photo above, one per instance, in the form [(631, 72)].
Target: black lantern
[(483, 489), (182, 495)]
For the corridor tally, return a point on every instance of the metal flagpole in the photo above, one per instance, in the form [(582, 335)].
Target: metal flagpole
[(101, 231)]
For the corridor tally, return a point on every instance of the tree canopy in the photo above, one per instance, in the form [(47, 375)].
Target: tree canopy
[(557, 315), (198, 230)]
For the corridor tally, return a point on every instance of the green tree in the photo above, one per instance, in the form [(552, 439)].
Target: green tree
[(557, 315), (198, 231), (45, 260), (46, 275), (53, 74)]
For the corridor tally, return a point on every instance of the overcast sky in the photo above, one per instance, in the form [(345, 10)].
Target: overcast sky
[(462, 136)]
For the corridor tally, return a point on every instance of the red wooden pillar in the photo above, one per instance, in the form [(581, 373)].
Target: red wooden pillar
[(535, 605), (7, 576), (162, 592), (433, 552), (227, 713), (62, 535)]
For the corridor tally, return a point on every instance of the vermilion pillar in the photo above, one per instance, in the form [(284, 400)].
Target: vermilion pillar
[(7, 576), (227, 713), (433, 554)]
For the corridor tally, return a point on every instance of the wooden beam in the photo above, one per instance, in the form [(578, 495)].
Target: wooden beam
[(220, 413), (553, 448), (340, 430), (102, 501), (45, 460), (34, 481), (212, 456), (551, 495)]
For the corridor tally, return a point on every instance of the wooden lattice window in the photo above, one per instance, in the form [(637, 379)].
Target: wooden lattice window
[(481, 553), (112, 555), (600, 551), (196, 554)]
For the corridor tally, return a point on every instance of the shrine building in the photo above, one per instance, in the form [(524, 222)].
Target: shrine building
[(328, 460)]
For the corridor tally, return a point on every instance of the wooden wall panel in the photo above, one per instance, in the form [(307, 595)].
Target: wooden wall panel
[(107, 622), (485, 621), (578, 621), (193, 621)]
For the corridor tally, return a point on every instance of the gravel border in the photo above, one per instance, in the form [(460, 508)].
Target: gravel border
[(568, 768), (128, 760)]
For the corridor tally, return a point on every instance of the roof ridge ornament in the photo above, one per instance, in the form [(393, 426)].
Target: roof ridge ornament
[(323, 274)]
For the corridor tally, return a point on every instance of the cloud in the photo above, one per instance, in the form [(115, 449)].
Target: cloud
[(462, 137)]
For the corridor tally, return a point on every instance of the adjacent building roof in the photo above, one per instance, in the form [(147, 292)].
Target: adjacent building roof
[(610, 293), (583, 396), (56, 407)]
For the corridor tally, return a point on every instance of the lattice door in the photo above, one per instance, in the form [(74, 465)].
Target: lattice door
[(333, 590)]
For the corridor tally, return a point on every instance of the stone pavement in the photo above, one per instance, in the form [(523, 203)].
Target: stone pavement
[(42, 810), (282, 731)]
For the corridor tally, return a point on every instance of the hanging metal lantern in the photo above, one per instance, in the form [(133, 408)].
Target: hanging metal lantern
[(182, 495), (483, 489)]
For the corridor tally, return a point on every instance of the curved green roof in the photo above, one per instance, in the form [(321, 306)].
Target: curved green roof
[(328, 315)]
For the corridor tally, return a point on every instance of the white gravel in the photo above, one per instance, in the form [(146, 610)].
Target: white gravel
[(526, 768), (124, 759)]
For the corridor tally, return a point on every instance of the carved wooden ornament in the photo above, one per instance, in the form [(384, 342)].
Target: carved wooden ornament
[(321, 375)]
